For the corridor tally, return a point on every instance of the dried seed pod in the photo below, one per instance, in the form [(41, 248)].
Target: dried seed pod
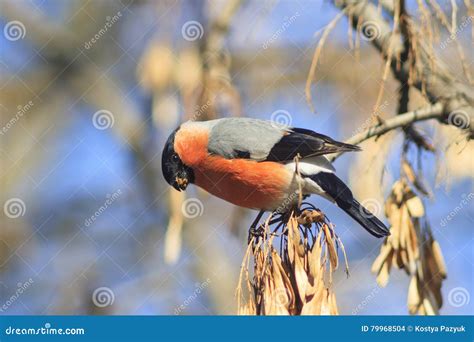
[(411, 248), (296, 280)]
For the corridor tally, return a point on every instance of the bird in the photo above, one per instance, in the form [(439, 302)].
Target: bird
[(251, 163)]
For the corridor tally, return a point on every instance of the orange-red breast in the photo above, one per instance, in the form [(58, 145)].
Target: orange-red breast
[(250, 163)]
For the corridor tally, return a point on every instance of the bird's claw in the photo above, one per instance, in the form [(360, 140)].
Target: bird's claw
[(256, 232)]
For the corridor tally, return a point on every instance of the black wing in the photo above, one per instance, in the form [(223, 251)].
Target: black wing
[(342, 195), (306, 143)]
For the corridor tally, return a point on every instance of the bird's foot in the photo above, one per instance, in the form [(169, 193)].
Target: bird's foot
[(255, 232)]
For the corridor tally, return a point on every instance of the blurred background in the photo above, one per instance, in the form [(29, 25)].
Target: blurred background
[(90, 90)]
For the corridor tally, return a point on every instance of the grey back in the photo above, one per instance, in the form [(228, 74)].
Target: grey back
[(234, 137)]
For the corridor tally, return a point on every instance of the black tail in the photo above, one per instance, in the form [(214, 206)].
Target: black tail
[(366, 219), (342, 195)]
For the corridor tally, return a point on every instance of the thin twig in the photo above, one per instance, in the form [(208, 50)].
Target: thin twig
[(317, 53), (430, 112)]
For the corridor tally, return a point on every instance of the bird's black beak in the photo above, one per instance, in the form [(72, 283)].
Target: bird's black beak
[(180, 183)]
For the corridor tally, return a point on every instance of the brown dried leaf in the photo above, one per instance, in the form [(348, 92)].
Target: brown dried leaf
[(326, 304), (333, 304), (331, 248), (414, 300), (429, 308), (155, 69), (439, 259), (405, 226), (398, 192), (293, 234), (395, 220), (389, 205), (314, 259), (384, 273), (301, 277), (295, 281), (405, 261), (380, 260), (283, 284), (248, 309), (413, 240), (408, 171), (313, 306), (415, 207), (173, 237)]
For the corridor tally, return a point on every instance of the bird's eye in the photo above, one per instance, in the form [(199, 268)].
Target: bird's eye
[(174, 157)]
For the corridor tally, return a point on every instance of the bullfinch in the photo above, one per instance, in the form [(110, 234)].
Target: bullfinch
[(251, 163)]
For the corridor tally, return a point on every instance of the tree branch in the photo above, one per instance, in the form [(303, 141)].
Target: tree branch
[(435, 111), (434, 80)]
